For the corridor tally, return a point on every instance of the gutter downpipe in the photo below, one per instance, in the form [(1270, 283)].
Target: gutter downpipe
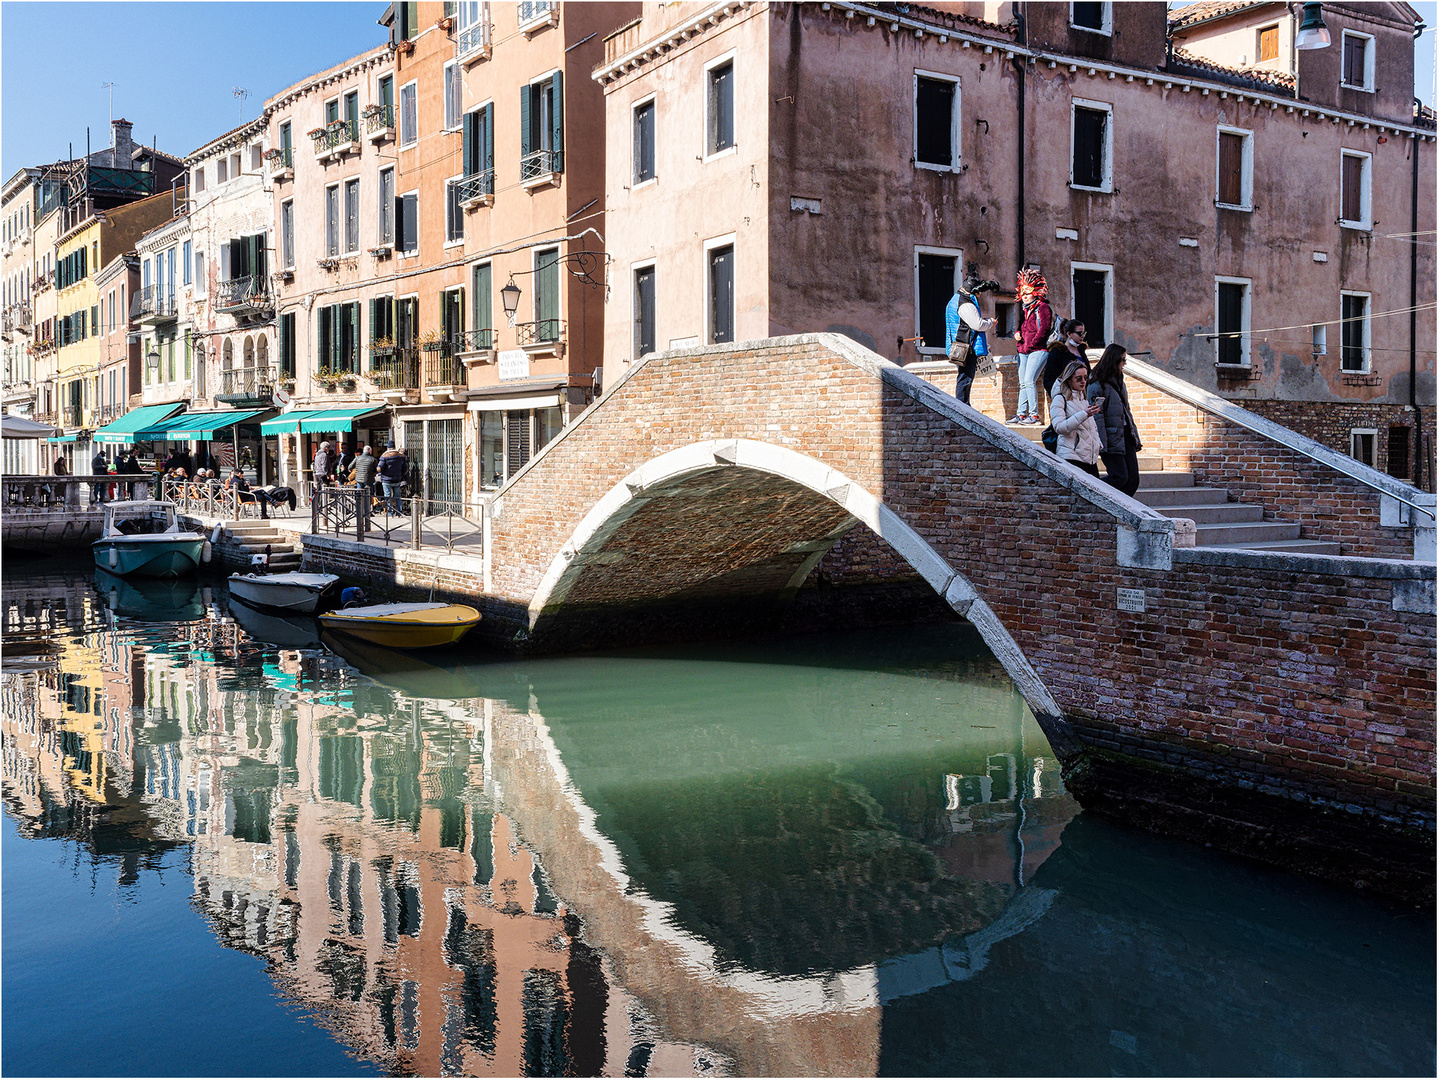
[(1019, 62), (1413, 312)]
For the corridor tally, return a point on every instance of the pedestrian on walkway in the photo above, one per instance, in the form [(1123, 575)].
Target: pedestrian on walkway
[(323, 465), (98, 467), (365, 472), (394, 467), (965, 325), (1072, 416), (1032, 339), (1116, 424), (1070, 346)]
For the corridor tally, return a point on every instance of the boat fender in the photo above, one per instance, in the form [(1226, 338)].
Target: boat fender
[(352, 597), (206, 552), (219, 530), (114, 557), (205, 596)]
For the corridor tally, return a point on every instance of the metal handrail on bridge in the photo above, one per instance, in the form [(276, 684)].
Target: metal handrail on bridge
[(339, 509)]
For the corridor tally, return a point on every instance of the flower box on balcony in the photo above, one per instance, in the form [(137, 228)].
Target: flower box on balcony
[(384, 251)]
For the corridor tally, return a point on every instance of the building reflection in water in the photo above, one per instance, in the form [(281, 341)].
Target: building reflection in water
[(412, 857)]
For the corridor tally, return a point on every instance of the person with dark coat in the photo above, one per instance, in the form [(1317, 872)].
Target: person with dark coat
[(394, 468), (347, 462), (241, 489), (963, 321), (365, 464), (1117, 430), (1031, 342), (1069, 347), (98, 467)]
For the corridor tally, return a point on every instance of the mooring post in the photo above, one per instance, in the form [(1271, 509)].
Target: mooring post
[(415, 522)]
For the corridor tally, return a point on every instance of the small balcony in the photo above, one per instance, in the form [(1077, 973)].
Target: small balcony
[(243, 297), (379, 123), (540, 334), (535, 15), (248, 387), (477, 190), (394, 371), (472, 43), (444, 372), (475, 346), (541, 167), (282, 162), (336, 139), (71, 415), (151, 307)]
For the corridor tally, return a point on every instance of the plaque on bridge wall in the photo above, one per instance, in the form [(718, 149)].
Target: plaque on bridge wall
[(1131, 599), (514, 364)]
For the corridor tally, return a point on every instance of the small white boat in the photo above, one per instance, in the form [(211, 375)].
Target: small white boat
[(404, 626), (134, 542), (299, 593)]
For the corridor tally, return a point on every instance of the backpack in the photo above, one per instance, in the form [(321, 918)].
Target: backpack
[(1050, 438)]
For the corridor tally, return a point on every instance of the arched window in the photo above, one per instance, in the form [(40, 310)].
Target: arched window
[(249, 351), (227, 355), (262, 352)]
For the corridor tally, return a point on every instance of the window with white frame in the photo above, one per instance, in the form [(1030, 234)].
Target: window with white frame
[(454, 213), (332, 220), (222, 171), (542, 127), (255, 157), (185, 263), (199, 178), (1354, 332), (1234, 169), (287, 233), (1097, 18), (644, 315), (1091, 145), (454, 90), (1266, 43), (407, 223), (719, 106), (719, 295), (386, 224), (1231, 321), (644, 141), (1092, 292), (352, 214), (409, 114), (1361, 444), (199, 273), (1354, 189), (936, 121), (1357, 60), (936, 273)]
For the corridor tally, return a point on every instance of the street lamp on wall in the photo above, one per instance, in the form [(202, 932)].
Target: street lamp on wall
[(510, 298), (1313, 34), (152, 364)]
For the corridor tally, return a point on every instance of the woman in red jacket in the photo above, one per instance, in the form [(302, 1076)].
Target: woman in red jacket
[(1032, 339)]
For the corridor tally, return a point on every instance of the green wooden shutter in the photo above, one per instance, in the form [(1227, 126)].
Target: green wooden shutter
[(483, 302), (527, 142), (487, 140), (557, 126), (468, 143)]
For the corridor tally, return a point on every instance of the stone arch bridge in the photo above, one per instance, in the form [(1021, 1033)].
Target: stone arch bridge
[(1280, 704)]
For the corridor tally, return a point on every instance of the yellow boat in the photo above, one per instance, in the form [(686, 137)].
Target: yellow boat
[(404, 626)]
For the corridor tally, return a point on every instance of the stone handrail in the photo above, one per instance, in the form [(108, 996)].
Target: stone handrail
[(1291, 440), (44, 491)]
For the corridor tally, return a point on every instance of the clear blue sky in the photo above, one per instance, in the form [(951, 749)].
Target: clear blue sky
[(175, 65)]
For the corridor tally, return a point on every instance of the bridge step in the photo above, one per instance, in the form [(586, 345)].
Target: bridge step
[(1215, 513), (1151, 481), (1164, 498), (1257, 533), (1297, 547)]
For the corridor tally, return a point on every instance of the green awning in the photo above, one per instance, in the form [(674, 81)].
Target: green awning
[(123, 430), (329, 420), (285, 422), (61, 438), (199, 425)]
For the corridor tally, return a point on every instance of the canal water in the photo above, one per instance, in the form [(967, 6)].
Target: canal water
[(231, 848)]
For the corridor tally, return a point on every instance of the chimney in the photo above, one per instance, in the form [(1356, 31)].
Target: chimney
[(121, 142)]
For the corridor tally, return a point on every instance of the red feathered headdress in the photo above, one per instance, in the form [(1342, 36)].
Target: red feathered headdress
[(1035, 280)]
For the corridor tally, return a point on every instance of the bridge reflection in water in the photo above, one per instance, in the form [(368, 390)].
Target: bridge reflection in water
[(837, 855)]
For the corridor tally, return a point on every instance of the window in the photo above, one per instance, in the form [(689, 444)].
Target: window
[(1231, 322), (452, 315), (407, 20), (222, 171), (1319, 338), (720, 297), (385, 91), (936, 121), (478, 151), (199, 273), (644, 342), (542, 127), (255, 158), (287, 233), (1361, 444), (332, 111), (454, 215), (481, 279), (1235, 171), (407, 321), (287, 344), (1358, 61), (1354, 332), (473, 30), (1092, 287), (1397, 455), (1354, 196), (285, 144), (199, 178), (935, 273), (382, 320), (352, 115), (352, 214), (185, 262), (547, 294), (492, 449), (644, 153), (719, 108), (339, 326), (1097, 18), (332, 220), (386, 224), (1268, 48), (1091, 139), (409, 117), (407, 223), (454, 88)]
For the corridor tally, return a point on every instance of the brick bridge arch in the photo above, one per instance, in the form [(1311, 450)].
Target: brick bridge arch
[(743, 491), (1228, 695)]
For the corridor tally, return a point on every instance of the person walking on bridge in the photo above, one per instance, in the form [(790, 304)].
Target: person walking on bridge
[(1032, 339), (1116, 422)]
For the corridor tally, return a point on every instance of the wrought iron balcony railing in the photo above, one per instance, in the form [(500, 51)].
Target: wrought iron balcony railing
[(380, 119), (394, 368), (541, 332), (444, 369), (241, 294), (541, 163), (476, 187), (281, 158), (475, 341), (248, 382), (151, 305)]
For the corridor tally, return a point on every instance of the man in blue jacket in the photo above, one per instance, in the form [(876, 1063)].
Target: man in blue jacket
[(963, 320)]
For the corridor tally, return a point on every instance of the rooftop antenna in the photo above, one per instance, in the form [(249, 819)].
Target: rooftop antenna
[(241, 94), (111, 87)]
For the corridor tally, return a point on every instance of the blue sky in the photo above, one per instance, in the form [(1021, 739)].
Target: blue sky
[(175, 66)]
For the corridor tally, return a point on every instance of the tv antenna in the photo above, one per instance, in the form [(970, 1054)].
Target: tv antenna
[(110, 87), (240, 94)]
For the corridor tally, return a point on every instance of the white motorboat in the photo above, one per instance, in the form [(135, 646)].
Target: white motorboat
[(297, 592)]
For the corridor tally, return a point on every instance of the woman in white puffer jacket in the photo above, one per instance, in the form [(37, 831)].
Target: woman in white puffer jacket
[(1073, 419)]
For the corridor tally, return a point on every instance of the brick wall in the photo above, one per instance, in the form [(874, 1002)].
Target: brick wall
[(1277, 675)]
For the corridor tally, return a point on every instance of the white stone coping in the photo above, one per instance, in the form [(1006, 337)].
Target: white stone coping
[(431, 558), (1296, 562), (1286, 437)]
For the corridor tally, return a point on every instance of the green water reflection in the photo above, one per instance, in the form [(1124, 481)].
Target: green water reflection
[(849, 854)]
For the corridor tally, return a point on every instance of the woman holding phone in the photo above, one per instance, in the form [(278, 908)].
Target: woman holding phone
[(1117, 429), (1072, 415)]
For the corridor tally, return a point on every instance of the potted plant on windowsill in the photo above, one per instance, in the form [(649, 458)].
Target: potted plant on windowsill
[(382, 348), (346, 383), (430, 341)]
